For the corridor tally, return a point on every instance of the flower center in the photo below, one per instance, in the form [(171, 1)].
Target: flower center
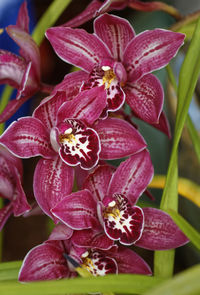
[(67, 136), (108, 77), (87, 262), (112, 210)]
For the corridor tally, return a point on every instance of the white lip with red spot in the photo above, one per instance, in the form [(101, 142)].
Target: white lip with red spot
[(98, 264), (77, 144), (121, 220)]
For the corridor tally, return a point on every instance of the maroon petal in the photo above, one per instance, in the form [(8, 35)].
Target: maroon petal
[(46, 112), (132, 176), (160, 232), (112, 5), (44, 262), (87, 106), (130, 262), (27, 138), (90, 238), (118, 139), (5, 213), (88, 13), (19, 201), (23, 18), (115, 32), (145, 97), (122, 221), (71, 84), (163, 125), (97, 182), (29, 47), (12, 69), (61, 232), (77, 47), (77, 211), (151, 50), (53, 180)]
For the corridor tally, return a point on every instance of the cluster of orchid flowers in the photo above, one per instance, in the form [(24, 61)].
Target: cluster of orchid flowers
[(76, 130)]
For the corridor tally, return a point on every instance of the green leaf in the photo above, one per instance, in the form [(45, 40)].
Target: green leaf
[(194, 136), (49, 18), (186, 228), (185, 283), (123, 283), (187, 81), (9, 270)]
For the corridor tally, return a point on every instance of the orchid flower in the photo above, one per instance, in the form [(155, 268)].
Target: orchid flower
[(47, 261), (96, 7), (107, 203), (64, 134), (21, 72), (10, 186), (120, 61)]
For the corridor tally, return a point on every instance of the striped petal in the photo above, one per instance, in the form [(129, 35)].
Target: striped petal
[(118, 139), (160, 232), (87, 106), (97, 182), (27, 138), (53, 180), (115, 32), (145, 97), (150, 51), (29, 48), (77, 211), (44, 262), (132, 176), (77, 47), (90, 238)]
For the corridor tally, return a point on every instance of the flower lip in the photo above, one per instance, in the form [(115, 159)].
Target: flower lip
[(77, 143)]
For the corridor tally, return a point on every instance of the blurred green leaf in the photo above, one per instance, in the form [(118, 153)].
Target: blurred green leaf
[(123, 283), (185, 283)]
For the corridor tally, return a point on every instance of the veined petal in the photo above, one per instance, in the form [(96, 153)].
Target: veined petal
[(29, 48), (132, 176), (71, 84), (130, 262), (90, 238), (61, 232), (118, 139), (97, 182), (87, 106), (53, 180), (5, 213), (149, 51), (145, 97), (115, 32), (44, 262), (88, 13), (23, 17), (14, 161), (46, 112), (12, 68), (122, 221), (77, 210), (27, 138), (19, 201), (77, 47), (160, 232)]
